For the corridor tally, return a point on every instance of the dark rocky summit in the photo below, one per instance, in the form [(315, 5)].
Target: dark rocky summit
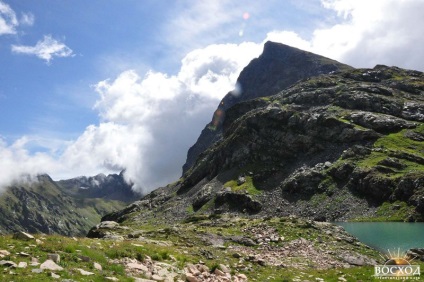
[(279, 67), (336, 143)]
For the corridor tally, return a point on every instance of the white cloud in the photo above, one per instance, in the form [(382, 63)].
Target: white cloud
[(147, 122), (196, 24), (27, 19), (8, 20), (45, 49), (16, 162), (368, 33), (158, 116)]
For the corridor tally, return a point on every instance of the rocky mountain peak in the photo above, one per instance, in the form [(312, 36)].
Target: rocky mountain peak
[(277, 68)]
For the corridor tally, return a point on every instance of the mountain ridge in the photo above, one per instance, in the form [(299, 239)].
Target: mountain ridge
[(42, 205), (329, 139), (278, 67)]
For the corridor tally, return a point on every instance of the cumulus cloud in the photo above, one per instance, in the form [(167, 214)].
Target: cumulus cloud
[(8, 19), (16, 161), (367, 33), (45, 49), (147, 122)]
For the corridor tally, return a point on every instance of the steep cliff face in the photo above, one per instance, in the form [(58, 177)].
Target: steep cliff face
[(277, 68), (42, 205), (340, 146)]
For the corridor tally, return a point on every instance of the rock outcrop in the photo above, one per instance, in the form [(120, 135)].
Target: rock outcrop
[(279, 67), (339, 144)]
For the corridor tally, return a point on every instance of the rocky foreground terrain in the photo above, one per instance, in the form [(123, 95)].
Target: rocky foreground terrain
[(201, 248)]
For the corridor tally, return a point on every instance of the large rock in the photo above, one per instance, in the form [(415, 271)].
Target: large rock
[(103, 229), (50, 265), (23, 236)]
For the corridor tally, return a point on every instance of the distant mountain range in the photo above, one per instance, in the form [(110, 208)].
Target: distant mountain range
[(66, 207)]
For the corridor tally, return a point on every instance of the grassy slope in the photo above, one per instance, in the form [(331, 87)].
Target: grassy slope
[(45, 200), (188, 247)]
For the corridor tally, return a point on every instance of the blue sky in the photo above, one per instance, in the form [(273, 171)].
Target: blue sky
[(99, 86)]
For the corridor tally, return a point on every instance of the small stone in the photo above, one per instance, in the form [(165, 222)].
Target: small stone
[(241, 180), (112, 278), (50, 265), (191, 278), (55, 276), (261, 262), (38, 241), (139, 266), (75, 239), (218, 272), (97, 266), (85, 273), (23, 254), (143, 280), (157, 277), (84, 258), (108, 224), (4, 253), (36, 270), (7, 263), (22, 264), (224, 268), (242, 276), (203, 268), (193, 269), (54, 257), (23, 236)]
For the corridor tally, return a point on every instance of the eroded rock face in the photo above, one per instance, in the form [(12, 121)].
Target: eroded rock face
[(335, 146), (279, 67)]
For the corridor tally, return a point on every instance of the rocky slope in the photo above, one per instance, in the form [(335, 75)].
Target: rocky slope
[(42, 205), (214, 248), (341, 145), (346, 145), (277, 68)]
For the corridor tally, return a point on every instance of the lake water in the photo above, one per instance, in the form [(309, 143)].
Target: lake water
[(385, 236)]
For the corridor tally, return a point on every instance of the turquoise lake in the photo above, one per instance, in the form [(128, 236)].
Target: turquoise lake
[(385, 236)]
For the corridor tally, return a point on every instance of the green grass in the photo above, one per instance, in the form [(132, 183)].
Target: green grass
[(397, 211), (396, 144), (187, 247), (248, 186)]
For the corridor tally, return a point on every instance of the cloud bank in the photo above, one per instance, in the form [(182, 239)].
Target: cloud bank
[(8, 19), (367, 33), (45, 49), (148, 121)]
